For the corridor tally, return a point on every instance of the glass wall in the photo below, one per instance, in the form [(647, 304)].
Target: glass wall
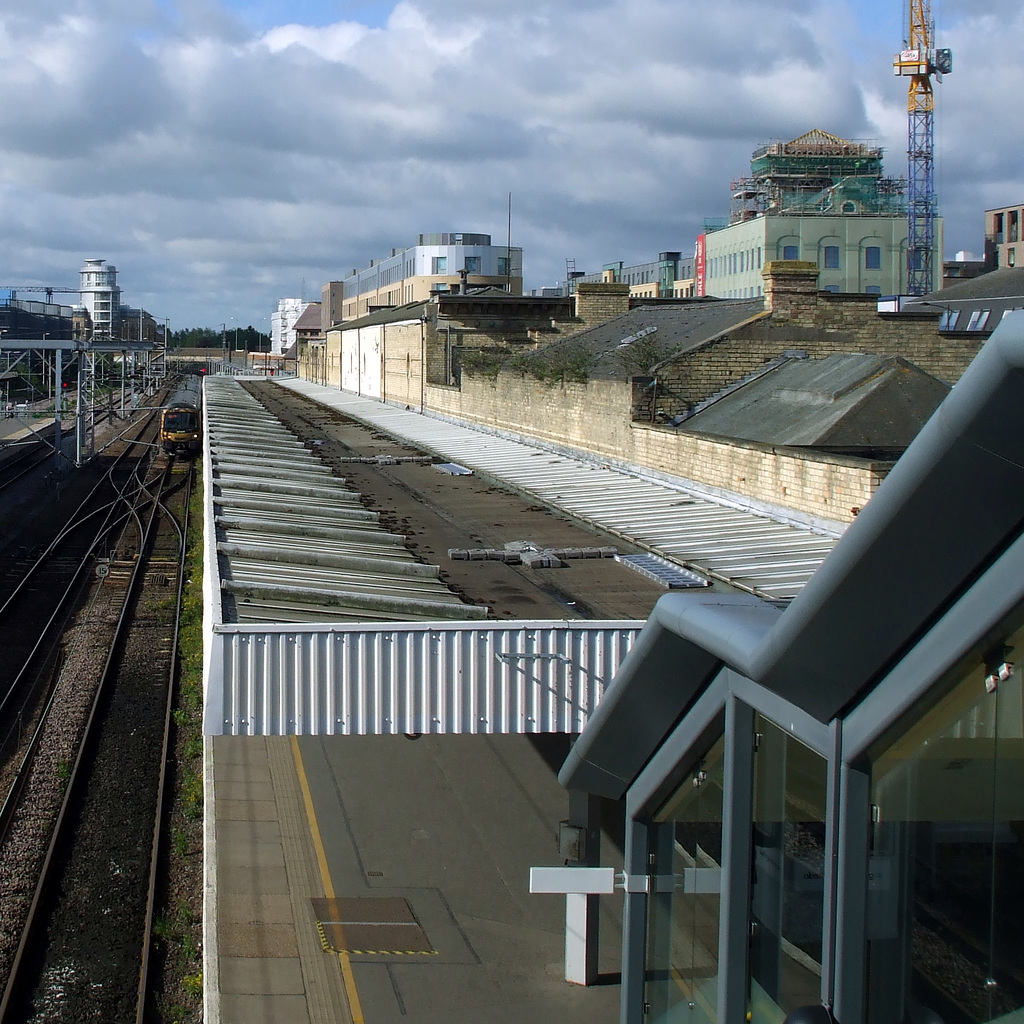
[(945, 892), (787, 875), (682, 927)]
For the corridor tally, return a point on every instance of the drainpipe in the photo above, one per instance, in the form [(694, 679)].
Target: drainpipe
[(383, 362), (423, 363)]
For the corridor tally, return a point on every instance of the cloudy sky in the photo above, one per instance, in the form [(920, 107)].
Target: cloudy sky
[(226, 153)]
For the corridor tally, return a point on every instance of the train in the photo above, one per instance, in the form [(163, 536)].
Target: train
[(181, 420)]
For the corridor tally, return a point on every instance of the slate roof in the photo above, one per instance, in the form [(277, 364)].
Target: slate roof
[(673, 329), (1005, 283), (998, 292), (388, 315), (848, 400), (309, 318)]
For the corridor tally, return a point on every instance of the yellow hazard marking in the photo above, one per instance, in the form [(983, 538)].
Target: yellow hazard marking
[(325, 876), (328, 948)]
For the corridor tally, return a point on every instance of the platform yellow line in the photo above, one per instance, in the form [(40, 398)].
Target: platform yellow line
[(325, 877)]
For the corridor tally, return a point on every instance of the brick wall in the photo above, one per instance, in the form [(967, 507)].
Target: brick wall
[(403, 347), (597, 302), (595, 418)]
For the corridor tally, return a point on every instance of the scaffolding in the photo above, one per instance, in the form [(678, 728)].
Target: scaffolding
[(817, 174)]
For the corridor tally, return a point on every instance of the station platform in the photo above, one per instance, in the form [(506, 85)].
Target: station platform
[(384, 879)]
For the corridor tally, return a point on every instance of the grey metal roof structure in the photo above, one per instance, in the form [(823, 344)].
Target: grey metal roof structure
[(318, 621), (668, 330), (294, 544), (769, 557), (847, 400)]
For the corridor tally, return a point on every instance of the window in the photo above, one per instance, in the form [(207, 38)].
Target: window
[(788, 875), (439, 265), (682, 925), (873, 289), (759, 257), (832, 288), (502, 266), (831, 257), (1011, 257), (472, 264), (978, 320), (791, 252), (944, 899), (872, 257)]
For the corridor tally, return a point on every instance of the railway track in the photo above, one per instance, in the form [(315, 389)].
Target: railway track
[(83, 772)]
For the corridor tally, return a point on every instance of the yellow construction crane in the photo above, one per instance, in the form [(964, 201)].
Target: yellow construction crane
[(921, 61)]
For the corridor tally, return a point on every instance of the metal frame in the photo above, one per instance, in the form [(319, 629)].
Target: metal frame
[(84, 430), (729, 702)]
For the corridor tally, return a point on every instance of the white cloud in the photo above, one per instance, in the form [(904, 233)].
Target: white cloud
[(219, 167)]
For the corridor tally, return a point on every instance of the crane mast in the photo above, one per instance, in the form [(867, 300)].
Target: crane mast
[(920, 61)]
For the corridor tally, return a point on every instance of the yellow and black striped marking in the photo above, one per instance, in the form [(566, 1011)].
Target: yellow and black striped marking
[(370, 926)]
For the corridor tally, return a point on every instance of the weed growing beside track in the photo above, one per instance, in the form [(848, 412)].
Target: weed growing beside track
[(177, 968)]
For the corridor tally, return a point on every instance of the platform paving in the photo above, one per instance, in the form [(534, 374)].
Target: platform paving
[(447, 826)]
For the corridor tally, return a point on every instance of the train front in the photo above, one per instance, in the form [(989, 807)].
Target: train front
[(180, 432)]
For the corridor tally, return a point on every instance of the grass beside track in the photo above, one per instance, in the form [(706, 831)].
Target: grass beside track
[(177, 929)]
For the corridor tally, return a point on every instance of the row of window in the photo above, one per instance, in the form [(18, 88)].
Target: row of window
[(472, 264), (736, 262), (750, 259), (972, 320)]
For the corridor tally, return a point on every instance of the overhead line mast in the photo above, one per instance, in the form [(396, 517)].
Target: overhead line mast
[(920, 61)]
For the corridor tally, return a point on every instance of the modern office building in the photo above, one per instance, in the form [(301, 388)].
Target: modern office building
[(669, 276), (331, 298), (437, 263), (101, 296), (818, 198), (825, 801), (1003, 236)]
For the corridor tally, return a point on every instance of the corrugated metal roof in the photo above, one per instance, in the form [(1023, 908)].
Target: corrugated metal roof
[(765, 556), (293, 543)]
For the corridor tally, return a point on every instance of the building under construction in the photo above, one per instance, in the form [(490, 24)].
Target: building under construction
[(816, 174), (817, 198)]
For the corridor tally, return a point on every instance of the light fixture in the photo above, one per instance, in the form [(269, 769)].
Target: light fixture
[(997, 668)]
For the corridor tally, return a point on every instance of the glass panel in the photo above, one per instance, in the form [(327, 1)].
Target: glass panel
[(873, 258), (831, 257), (682, 926), (791, 252), (945, 897), (179, 419), (787, 884)]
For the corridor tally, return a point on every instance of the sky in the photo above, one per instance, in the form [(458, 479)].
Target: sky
[(223, 154)]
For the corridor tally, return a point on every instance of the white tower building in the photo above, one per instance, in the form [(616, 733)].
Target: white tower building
[(282, 324), (101, 297)]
